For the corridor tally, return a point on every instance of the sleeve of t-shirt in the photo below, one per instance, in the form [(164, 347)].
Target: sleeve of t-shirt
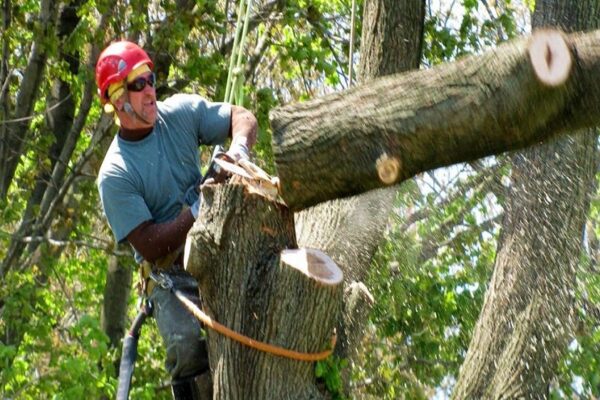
[(214, 126), (210, 119), (124, 207)]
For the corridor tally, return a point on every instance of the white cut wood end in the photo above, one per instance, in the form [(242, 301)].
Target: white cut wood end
[(550, 57), (313, 263)]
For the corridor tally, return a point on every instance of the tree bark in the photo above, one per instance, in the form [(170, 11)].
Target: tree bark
[(116, 298), (528, 313), (392, 37), (241, 251), (395, 127), (14, 142), (4, 71)]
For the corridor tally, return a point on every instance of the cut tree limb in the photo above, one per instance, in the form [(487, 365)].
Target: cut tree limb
[(253, 280), (395, 127)]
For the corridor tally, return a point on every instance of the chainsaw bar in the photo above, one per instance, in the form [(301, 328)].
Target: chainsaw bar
[(232, 168)]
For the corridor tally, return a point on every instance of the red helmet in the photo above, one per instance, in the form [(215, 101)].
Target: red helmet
[(116, 62)]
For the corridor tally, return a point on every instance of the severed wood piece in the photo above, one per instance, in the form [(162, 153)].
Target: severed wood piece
[(314, 264)]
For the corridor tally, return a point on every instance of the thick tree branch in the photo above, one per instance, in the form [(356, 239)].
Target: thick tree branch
[(392, 128)]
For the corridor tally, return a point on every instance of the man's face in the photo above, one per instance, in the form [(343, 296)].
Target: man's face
[(142, 97)]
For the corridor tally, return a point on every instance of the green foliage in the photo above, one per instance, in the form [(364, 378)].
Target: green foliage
[(329, 371), (471, 29), (48, 360), (530, 4), (64, 353), (426, 302)]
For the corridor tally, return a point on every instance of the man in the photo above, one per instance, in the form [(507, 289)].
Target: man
[(148, 187)]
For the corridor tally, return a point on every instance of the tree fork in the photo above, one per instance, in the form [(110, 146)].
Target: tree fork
[(395, 127), (253, 279)]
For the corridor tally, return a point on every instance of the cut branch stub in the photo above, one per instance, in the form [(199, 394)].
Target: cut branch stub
[(550, 57), (388, 169), (253, 281)]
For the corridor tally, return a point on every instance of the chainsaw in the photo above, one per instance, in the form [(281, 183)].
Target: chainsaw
[(223, 168)]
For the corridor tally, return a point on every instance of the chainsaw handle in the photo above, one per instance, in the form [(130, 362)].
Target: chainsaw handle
[(215, 172)]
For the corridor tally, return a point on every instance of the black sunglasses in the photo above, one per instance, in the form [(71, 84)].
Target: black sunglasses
[(140, 83)]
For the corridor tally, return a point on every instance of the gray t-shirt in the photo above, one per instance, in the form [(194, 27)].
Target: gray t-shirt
[(151, 179)]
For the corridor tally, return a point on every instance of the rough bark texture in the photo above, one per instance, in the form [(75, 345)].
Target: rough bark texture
[(12, 146), (395, 127), (527, 316), (233, 250), (392, 37), (116, 297)]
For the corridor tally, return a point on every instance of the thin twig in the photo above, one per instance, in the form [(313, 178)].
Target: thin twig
[(28, 118), (64, 243)]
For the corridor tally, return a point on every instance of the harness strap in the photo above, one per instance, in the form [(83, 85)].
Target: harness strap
[(172, 261)]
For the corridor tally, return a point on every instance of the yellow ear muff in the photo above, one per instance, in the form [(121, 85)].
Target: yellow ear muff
[(109, 108)]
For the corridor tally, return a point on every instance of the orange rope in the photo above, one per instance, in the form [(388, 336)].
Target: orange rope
[(255, 344)]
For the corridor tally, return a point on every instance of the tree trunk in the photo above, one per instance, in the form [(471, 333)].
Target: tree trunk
[(241, 251), (528, 314), (392, 37), (5, 74), (14, 142), (349, 230), (395, 127), (116, 298)]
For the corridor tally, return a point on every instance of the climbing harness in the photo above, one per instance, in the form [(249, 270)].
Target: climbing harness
[(166, 283)]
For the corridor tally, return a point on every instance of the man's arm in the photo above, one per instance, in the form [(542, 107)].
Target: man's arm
[(243, 130), (154, 241)]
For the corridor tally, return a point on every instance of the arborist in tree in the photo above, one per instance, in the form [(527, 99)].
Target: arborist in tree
[(148, 186)]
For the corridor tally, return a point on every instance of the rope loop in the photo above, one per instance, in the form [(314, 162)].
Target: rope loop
[(255, 344)]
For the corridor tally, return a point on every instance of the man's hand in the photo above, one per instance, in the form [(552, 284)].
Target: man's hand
[(243, 131)]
